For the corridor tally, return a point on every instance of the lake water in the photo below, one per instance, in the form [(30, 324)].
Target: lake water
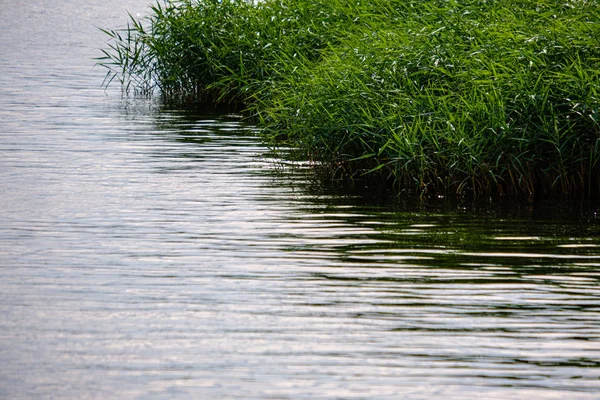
[(153, 253)]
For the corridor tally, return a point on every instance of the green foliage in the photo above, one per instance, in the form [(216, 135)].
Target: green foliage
[(219, 50), (447, 96)]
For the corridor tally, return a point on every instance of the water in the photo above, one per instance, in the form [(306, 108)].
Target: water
[(151, 253)]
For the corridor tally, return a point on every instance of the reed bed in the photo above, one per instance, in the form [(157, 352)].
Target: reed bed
[(439, 97)]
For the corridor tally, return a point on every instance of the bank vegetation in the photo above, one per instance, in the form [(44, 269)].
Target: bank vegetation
[(464, 97)]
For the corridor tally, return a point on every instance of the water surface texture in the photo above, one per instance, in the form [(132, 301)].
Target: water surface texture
[(148, 253)]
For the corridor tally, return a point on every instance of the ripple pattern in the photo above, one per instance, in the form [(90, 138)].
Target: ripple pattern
[(154, 253)]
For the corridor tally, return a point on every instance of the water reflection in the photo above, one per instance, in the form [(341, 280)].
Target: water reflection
[(506, 303), (178, 261)]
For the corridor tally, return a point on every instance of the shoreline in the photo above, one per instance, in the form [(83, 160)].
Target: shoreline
[(440, 97)]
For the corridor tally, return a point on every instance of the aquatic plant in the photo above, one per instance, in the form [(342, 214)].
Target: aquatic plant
[(464, 97), (219, 50)]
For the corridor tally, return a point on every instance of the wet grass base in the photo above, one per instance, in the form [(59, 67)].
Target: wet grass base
[(469, 98)]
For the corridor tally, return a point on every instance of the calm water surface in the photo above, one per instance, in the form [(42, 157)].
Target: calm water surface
[(150, 253)]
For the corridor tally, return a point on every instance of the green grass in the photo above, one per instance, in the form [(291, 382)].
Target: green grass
[(455, 97)]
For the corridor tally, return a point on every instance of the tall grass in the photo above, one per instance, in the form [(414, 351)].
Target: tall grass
[(221, 50), (442, 96)]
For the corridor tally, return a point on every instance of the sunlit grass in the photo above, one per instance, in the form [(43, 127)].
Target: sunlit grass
[(464, 97)]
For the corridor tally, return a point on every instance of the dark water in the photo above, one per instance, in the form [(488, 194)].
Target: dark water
[(149, 253)]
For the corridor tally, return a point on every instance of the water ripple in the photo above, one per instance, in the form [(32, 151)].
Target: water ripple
[(155, 253)]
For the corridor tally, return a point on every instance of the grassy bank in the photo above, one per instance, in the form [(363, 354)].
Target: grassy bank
[(456, 97)]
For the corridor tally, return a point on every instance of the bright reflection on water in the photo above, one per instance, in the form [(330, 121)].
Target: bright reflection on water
[(157, 254)]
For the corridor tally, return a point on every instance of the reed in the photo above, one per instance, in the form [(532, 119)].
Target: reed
[(456, 97), (220, 51)]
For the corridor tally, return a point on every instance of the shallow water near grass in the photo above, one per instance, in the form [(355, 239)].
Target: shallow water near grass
[(155, 253)]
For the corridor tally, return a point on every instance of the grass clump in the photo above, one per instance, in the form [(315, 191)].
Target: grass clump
[(444, 96), (221, 51)]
